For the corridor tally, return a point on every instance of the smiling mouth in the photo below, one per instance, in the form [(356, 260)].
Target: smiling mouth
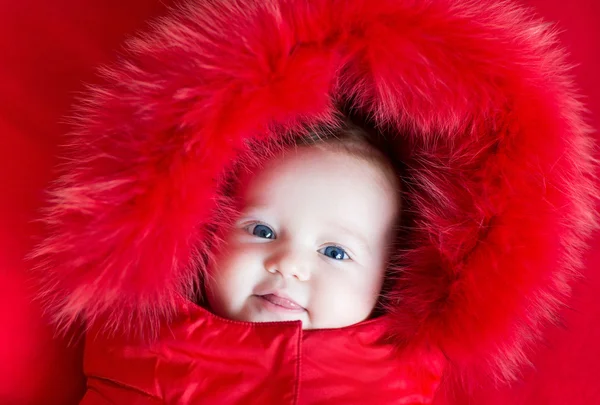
[(282, 303)]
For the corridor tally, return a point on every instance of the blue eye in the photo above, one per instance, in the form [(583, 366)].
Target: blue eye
[(263, 231), (336, 252)]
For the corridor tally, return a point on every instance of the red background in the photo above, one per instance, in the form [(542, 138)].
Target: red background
[(48, 50)]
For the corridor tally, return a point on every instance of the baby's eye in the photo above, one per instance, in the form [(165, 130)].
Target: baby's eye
[(335, 252), (262, 231)]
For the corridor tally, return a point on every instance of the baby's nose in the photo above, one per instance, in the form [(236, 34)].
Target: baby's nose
[(290, 265)]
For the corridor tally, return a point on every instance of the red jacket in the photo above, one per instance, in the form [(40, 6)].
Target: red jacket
[(202, 358), (499, 185)]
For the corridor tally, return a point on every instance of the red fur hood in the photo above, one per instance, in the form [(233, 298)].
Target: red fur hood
[(499, 179)]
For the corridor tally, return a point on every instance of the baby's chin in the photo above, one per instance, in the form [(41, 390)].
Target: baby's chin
[(258, 310)]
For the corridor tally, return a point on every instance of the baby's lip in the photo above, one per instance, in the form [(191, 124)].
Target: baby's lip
[(281, 299)]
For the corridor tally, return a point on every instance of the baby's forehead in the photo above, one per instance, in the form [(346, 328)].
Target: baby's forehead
[(309, 181), (320, 160)]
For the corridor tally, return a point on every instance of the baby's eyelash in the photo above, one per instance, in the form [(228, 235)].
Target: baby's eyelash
[(255, 224), (344, 253)]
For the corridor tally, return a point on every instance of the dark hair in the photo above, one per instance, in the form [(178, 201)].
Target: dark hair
[(354, 140)]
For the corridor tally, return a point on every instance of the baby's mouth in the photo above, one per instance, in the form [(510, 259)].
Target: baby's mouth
[(282, 302)]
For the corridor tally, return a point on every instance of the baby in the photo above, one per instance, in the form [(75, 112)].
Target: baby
[(298, 258), (313, 237), (310, 238)]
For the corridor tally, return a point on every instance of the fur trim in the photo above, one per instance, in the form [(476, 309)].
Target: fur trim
[(501, 178)]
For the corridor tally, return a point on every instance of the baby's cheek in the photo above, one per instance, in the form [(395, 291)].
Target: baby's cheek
[(333, 302), (236, 276)]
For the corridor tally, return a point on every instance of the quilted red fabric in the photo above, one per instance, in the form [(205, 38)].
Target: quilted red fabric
[(201, 358)]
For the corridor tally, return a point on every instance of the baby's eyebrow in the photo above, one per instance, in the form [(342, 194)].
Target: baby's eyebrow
[(360, 240), (253, 208)]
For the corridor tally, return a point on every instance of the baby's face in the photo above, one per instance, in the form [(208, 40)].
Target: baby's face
[(311, 243)]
